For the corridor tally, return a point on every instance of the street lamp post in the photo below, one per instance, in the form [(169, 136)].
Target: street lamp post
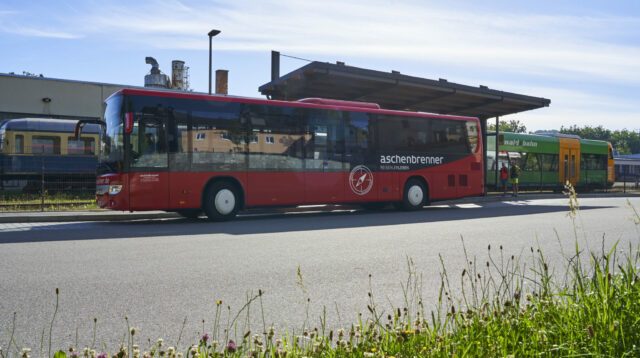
[(212, 33)]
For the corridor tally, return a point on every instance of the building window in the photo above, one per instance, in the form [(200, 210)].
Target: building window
[(201, 136), (269, 140)]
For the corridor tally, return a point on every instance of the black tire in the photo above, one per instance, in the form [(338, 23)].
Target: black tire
[(221, 201), (189, 213), (415, 196)]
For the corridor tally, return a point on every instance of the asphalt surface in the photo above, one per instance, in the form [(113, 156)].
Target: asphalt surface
[(159, 271)]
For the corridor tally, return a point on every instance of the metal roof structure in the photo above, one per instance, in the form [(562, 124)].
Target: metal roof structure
[(393, 90)]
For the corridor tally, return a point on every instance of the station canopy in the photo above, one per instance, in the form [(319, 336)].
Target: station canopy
[(393, 90)]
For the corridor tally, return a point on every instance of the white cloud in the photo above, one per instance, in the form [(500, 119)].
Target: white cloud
[(555, 46), (33, 32)]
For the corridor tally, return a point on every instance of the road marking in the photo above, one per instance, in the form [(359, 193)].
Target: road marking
[(468, 206), (12, 227)]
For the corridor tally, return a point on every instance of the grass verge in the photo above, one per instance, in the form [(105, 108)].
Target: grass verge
[(11, 202)]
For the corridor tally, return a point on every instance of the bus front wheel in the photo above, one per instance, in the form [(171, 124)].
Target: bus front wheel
[(415, 195), (221, 201)]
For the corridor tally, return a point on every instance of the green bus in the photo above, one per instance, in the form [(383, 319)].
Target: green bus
[(548, 161)]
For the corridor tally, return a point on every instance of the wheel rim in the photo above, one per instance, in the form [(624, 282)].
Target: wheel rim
[(415, 195), (225, 201)]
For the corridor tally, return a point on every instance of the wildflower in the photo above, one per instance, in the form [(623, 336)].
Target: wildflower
[(171, 350), (160, 341), (369, 355), (204, 338), (25, 352), (256, 340), (92, 353), (218, 302), (103, 355), (179, 355), (278, 342), (231, 346), (214, 344), (132, 330)]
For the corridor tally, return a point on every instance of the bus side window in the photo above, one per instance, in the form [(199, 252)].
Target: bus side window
[(324, 144), (356, 136), (217, 137), (280, 136), (180, 140)]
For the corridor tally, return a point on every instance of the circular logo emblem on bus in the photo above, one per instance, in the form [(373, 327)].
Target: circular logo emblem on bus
[(360, 180)]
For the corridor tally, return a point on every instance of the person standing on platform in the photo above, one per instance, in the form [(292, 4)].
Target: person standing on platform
[(515, 175), (504, 176)]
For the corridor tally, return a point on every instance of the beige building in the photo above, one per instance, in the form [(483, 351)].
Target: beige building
[(28, 96)]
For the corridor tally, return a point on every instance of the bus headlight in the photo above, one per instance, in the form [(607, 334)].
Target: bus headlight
[(114, 189)]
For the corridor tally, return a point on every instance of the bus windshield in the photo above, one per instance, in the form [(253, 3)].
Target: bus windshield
[(112, 139)]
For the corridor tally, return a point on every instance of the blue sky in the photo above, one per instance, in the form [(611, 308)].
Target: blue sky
[(583, 55)]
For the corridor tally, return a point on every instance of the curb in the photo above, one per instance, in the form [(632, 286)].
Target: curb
[(82, 216), (33, 217)]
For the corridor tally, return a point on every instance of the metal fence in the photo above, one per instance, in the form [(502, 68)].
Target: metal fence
[(46, 181)]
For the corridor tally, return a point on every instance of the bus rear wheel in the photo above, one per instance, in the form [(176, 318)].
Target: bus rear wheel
[(415, 195), (221, 201)]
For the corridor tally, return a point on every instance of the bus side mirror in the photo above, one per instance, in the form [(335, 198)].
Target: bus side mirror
[(78, 128)]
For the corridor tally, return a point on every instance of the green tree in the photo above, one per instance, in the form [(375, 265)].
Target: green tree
[(514, 126), (588, 132), (624, 141)]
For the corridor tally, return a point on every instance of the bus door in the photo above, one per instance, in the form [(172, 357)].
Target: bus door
[(324, 151), (361, 180), (569, 160), (275, 173), (148, 163)]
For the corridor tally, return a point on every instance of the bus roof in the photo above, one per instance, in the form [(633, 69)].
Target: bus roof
[(46, 125), (316, 103)]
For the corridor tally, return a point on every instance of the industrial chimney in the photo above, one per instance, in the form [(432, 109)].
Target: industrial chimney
[(222, 82), (155, 78), (179, 75)]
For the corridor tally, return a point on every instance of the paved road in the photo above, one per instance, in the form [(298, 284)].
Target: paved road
[(157, 272)]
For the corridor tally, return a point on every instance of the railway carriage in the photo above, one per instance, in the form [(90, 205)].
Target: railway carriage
[(33, 148), (548, 161)]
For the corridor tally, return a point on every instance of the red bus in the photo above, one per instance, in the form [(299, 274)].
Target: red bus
[(193, 153)]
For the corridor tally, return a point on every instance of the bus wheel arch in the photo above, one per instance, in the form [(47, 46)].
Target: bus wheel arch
[(415, 193), (222, 198)]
